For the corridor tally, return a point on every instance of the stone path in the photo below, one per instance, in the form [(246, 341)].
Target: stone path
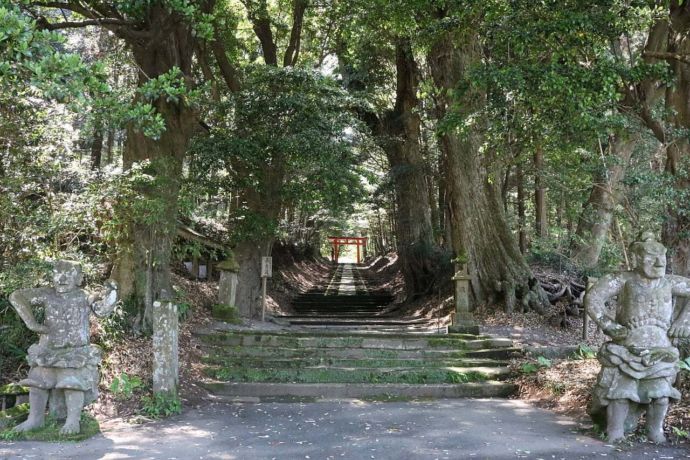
[(347, 429)]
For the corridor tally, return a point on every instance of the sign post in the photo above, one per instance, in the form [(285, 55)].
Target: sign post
[(266, 272)]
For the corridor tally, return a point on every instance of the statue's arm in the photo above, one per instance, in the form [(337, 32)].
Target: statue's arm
[(681, 326), (103, 306), (23, 299), (595, 304)]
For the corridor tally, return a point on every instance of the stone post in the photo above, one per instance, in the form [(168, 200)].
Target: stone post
[(165, 352), (585, 316), (227, 286), (463, 321)]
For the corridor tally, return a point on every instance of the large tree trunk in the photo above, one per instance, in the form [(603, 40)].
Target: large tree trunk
[(266, 205), (676, 229), (401, 126), (97, 146), (522, 220), (143, 267), (480, 232), (541, 224), (597, 214), (248, 255)]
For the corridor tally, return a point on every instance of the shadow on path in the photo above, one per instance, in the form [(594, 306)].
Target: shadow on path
[(348, 429)]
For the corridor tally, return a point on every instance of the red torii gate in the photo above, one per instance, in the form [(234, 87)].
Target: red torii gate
[(338, 241)]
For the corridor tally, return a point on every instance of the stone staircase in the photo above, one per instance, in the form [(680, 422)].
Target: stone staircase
[(379, 366), (346, 340), (348, 302)]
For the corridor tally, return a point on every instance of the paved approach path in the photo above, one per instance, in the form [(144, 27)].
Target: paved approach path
[(348, 429)]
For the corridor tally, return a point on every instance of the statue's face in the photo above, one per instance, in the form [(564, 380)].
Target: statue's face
[(66, 277), (652, 264)]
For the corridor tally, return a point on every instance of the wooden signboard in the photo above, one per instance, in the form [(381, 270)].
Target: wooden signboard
[(266, 267)]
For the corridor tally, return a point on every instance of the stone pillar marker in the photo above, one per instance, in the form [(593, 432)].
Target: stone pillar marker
[(463, 321), (227, 286), (165, 351)]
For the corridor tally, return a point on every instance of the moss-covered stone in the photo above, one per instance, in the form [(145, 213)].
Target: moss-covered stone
[(447, 343), (227, 313), (325, 375), (229, 264), (14, 415), (13, 389), (50, 432)]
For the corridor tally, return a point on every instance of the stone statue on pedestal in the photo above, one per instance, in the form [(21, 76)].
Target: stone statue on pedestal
[(640, 362), (64, 366)]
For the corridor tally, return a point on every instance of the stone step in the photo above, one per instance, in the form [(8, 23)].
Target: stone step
[(413, 376), (314, 315), (424, 328), (325, 306), (345, 341), (338, 310), (332, 296), (297, 333), (379, 392), (362, 363), (349, 321), (362, 353)]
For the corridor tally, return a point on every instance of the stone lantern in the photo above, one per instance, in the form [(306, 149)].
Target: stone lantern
[(227, 287), (463, 320)]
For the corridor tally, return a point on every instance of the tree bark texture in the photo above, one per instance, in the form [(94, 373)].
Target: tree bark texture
[(676, 228), (143, 269), (480, 232), (401, 131), (522, 221), (267, 203), (597, 214), (97, 147), (541, 211)]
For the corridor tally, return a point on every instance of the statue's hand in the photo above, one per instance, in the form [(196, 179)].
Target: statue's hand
[(617, 332), (667, 355)]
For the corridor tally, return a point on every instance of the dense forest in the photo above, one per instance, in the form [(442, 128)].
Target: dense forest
[(500, 134)]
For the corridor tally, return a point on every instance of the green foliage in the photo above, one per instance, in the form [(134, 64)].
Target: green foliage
[(288, 138), (161, 405), (680, 433), (556, 388), (125, 385), (15, 338), (532, 367), (416, 376), (114, 327), (28, 55), (227, 313), (13, 416), (529, 368), (170, 86), (585, 352), (685, 364), (543, 362), (133, 196)]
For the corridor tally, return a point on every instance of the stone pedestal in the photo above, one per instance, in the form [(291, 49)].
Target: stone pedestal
[(165, 351), (463, 321), (227, 285), (227, 288)]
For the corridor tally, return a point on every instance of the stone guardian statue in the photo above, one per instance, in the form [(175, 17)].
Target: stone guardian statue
[(640, 362), (63, 365)]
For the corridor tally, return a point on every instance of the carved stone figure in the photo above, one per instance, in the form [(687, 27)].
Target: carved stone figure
[(64, 366), (640, 362)]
